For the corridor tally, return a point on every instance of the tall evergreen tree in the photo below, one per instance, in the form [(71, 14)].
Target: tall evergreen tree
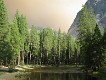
[(103, 42), (70, 49), (54, 49), (4, 32), (77, 53), (59, 45), (15, 40), (47, 43), (41, 47), (63, 47), (23, 30), (86, 30), (97, 50), (35, 41), (3, 14)]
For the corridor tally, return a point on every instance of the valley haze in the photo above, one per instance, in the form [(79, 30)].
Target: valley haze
[(46, 13)]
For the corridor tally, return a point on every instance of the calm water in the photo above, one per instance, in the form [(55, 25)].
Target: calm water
[(60, 76)]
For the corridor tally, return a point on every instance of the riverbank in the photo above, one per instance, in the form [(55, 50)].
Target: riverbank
[(61, 69), (6, 74), (20, 70), (9, 76)]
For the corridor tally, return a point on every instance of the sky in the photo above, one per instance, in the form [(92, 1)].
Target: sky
[(46, 13)]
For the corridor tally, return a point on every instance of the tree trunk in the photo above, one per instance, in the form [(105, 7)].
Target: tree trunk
[(47, 58), (41, 60), (6, 61), (22, 57), (30, 58), (19, 59), (27, 59)]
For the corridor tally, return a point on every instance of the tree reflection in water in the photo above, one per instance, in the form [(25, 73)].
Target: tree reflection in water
[(60, 76)]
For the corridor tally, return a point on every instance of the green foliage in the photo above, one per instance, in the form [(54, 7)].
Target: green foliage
[(87, 22), (102, 73), (4, 33), (59, 44), (47, 37), (54, 43), (46, 46), (71, 44), (34, 40), (3, 14), (97, 50), (15, 38), (91, 41), (24, 34), (23, 29), (64, 41), (86, 27)]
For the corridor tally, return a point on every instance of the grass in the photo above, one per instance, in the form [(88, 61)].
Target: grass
[(100, 74), (49, 68), (40, 68), (25, 70), (24, 67), (60, 69)]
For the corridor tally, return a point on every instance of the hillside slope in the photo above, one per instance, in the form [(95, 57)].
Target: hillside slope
[(99, 7)]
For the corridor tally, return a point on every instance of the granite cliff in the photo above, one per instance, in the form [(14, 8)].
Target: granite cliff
[(99, 7)]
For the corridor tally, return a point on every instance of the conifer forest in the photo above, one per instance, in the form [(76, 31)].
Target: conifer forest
[(21, 44)]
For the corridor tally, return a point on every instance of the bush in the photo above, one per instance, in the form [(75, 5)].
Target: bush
[(102, 73), (12, 70)]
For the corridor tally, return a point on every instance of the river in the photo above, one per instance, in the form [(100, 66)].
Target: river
[(59, 76)]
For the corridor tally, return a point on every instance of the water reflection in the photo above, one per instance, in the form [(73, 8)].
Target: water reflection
[(60, 76)]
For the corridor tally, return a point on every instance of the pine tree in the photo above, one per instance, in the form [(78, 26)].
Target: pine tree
[(15, 40), (86, 30), (3, 14), (77, 52), (87, 22), (97, 50), (27, 47), (4, 33), (35, 41), (63, 47), (54, 49), (23, 30), (103, 42), (59, 46), (41, 49), (47, 43), (70, 49)]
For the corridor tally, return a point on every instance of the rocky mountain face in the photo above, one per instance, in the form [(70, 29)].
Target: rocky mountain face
[(99, 7)]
